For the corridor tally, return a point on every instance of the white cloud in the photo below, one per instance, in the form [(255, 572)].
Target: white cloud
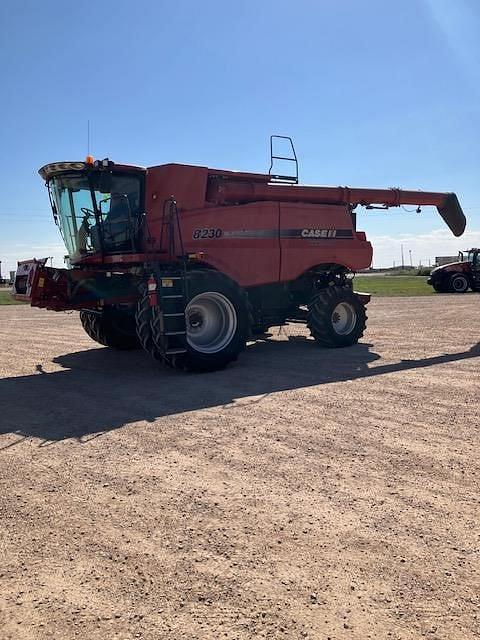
[(424, 247)]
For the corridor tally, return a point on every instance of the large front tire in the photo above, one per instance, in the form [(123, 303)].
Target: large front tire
[(336, 317), (216, 323), (143, 319), (458, 283), (111, 327)]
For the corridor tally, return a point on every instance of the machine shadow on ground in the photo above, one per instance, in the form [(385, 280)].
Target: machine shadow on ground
[(101, 389)]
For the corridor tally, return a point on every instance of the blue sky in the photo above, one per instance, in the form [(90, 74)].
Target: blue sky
[(374, 93)]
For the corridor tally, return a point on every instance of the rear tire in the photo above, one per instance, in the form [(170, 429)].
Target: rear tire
[(458, 283), (336, 317), (216, 323), (111, 328)]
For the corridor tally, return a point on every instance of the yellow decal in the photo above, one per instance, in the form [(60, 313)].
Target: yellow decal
[(41, 282)]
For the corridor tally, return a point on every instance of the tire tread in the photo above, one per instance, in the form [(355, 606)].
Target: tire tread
[(191, 360), (319, 314), (99, 327)]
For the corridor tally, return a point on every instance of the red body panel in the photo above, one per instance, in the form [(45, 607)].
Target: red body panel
[(188, 185), (122, 259), (457, 267), (61, 289), (326, 237), (245, 243), (249, 241)]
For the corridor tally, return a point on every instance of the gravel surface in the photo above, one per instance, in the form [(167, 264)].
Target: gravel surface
[(301, 493)]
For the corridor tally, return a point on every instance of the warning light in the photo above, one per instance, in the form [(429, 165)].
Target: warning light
[(89, 160)]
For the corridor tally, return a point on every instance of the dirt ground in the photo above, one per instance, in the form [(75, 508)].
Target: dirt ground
[(301, 493)]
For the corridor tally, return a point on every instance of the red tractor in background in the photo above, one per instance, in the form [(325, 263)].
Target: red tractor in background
[(190, 262), (460, 276)]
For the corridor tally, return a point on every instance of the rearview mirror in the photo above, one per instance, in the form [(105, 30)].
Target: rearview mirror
[(104, 182)]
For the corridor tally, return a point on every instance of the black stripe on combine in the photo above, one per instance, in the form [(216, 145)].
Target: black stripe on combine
[(301, 234), (251, 233), (317, 234)]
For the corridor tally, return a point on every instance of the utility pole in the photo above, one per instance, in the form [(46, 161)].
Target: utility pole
[(410, 252), (403, 263)]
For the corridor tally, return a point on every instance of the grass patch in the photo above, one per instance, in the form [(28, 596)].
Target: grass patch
[(393, 285), (6, 298)]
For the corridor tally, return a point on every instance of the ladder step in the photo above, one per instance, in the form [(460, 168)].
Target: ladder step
[(170, 297), (175, 333), (172, 352), (172, 315)]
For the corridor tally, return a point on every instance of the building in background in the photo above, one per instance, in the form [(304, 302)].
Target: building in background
[(441, 260)]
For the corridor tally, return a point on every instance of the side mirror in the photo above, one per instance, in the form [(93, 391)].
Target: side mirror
[(104, 184)]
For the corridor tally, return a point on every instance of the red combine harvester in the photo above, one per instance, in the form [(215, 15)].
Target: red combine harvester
[(190, 262)]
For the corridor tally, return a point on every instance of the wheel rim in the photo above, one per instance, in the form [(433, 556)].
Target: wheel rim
[(459, 284), (344, 318), (211, 322)]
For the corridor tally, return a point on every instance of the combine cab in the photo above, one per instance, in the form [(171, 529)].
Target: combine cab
[(190, 262), (458, 277)]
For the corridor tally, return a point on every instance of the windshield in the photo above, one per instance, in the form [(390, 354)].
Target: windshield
[(472, 255), (98, 213)]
